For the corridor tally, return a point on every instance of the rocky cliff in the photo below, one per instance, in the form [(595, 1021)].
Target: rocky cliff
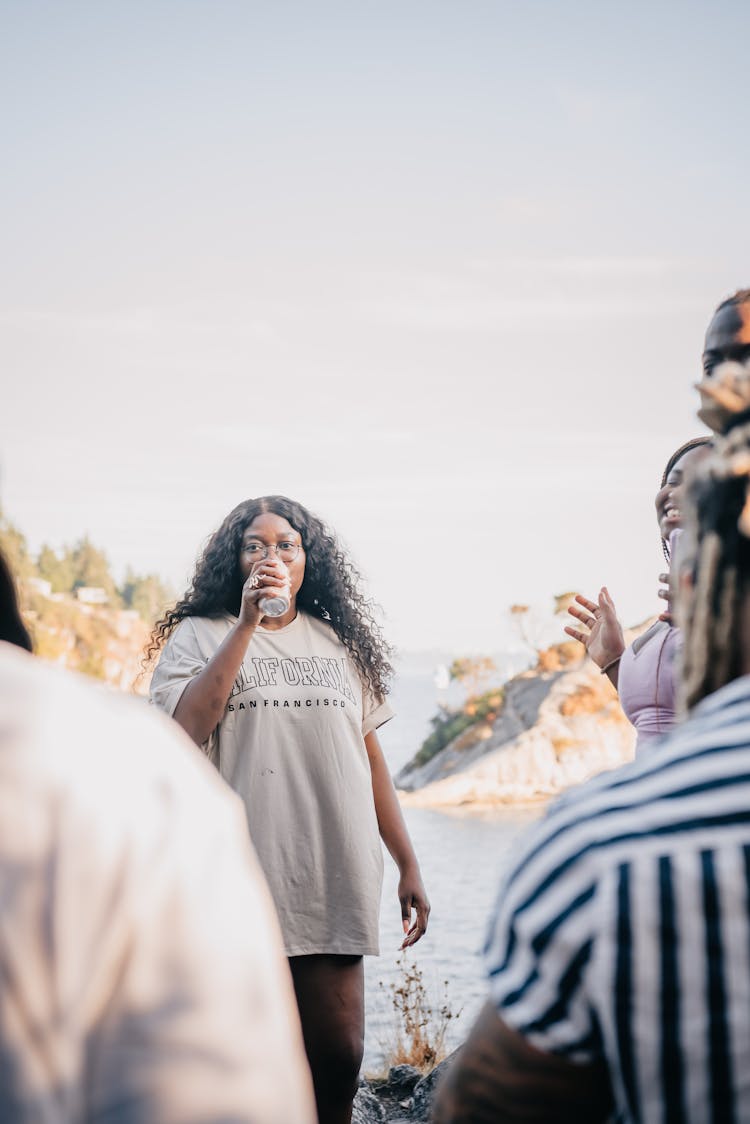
[(558, 725), (98, 640)]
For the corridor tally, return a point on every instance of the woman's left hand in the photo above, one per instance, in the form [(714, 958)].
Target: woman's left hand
[(666, 595), (411, 894), (393, 832)]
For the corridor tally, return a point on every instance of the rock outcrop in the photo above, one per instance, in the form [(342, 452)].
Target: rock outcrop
[(404, 1097), (556, 728)]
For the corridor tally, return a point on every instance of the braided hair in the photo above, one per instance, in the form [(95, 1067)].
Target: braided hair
[(716, 548), (717, 553), (329, 591)]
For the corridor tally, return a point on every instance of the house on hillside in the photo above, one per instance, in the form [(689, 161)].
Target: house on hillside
[(39, 585), (92, 595)]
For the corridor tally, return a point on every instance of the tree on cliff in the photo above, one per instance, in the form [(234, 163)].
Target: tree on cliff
[(534, 627), (147, 594), (56, 569), (15, 549), (473, 671), (91, 568)]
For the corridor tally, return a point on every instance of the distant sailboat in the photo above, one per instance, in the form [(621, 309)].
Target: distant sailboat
[(442, 677)]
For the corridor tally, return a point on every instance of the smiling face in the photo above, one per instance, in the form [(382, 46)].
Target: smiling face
[(728, 337), (267, 530), (669, 498)]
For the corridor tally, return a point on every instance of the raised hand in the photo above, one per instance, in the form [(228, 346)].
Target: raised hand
[(666, 595), (603, 638)]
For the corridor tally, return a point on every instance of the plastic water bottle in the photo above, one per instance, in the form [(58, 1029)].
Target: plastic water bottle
[(274, 606)]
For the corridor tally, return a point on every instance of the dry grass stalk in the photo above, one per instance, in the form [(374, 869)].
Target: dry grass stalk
[(418, 1037)]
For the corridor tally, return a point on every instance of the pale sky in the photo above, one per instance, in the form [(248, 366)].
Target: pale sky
[(440, 271)]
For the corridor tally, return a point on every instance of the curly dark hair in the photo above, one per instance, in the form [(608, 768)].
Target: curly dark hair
[(330, 588)]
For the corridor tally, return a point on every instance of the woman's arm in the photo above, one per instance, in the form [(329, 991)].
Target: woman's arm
[(202, 703), (411, 891), (201, 706)]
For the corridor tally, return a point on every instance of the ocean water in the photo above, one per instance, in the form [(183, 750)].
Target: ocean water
[(462, 857)]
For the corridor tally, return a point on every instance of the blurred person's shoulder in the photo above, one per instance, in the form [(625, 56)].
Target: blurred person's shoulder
[(118, 833), (88, 740)]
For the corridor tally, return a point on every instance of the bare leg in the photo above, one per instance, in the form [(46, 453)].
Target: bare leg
[(331, 999)]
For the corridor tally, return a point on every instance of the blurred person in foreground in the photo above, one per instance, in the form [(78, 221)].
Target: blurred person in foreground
[(143, 978), (619, 953)]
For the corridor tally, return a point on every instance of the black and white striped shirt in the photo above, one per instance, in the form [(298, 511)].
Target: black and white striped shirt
[(623, 931)]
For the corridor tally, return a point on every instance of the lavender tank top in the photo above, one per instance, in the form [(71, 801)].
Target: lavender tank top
[(646, 682)]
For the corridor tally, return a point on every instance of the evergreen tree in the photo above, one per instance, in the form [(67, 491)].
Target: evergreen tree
[(56, 569), (91, 568), (147, 594)]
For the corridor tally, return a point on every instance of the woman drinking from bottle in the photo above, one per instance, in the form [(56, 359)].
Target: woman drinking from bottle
[(287, 707)]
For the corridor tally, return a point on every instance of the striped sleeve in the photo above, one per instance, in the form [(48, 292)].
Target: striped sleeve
[(539, 951)]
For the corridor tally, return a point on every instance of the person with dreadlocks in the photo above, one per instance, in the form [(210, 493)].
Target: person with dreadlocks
[(288, 707), (714, 607), (727, 341), (643, 673), (618, 957)]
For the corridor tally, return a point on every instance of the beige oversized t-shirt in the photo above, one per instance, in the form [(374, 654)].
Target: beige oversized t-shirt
[(291, 744)]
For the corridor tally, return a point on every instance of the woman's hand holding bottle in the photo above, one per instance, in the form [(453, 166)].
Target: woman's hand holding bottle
[(269, 578)]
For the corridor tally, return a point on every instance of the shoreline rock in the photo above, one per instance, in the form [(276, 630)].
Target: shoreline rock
[(404, 1097)]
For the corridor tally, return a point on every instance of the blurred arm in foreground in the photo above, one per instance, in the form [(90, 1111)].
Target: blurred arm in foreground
[(499, 1078)]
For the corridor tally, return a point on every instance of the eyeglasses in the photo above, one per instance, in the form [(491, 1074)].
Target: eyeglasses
[(286, 551)]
